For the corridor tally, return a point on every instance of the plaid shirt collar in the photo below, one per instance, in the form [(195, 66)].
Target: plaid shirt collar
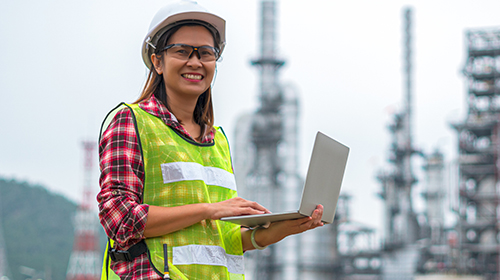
[(156, 108)]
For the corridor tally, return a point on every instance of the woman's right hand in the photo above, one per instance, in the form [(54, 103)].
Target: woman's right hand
[(235, 207)]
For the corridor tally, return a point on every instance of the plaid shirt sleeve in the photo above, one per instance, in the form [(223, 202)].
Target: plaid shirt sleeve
[(121, 211)]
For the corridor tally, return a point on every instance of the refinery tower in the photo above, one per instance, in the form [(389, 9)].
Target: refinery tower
[(266, 169)]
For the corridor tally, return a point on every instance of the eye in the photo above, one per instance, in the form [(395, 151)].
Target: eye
[(181, 51), (206, 52)]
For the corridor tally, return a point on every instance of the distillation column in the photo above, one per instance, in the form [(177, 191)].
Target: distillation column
[(435, 254), (401, 226), (266, 169), (264, 175), (435, 196)]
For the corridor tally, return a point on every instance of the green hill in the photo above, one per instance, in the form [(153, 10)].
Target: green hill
[(37, 228)]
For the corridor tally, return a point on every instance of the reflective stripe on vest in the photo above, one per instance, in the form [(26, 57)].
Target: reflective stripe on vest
[(208, 255), (187, 171)]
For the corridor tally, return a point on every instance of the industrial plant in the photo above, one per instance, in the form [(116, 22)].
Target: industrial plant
[(414, 245)]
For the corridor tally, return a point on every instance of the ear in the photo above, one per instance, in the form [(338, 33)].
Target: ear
[(157, 64)]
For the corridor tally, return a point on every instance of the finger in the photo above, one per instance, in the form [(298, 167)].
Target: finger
[(252, 204), (318, 213), (305, 222), (318, 222), (259, 207), (319, 209), (302, 221), (312, 224), (252, 211), (289, 224), (315, 219)]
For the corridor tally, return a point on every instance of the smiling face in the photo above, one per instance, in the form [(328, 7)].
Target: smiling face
[(187, 78)]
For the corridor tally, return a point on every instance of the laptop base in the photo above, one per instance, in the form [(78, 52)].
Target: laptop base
[(263, 219)]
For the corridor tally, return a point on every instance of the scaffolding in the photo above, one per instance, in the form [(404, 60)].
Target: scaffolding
[(360, 257), (479, 158)]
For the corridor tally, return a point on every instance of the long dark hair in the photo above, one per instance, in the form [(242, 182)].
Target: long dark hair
[(203, 113)]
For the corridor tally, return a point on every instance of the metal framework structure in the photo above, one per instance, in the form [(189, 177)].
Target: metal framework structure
[(479, 158), (266, 169), (85, 260), (360, 257)]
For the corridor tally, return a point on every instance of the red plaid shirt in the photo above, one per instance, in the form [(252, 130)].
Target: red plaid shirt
[(121, 211)]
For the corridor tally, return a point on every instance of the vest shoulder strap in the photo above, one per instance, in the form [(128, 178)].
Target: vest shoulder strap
[(109, 117)]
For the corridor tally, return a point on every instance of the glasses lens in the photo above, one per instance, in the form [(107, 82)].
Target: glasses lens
[(207, 53), (184, 52), (180, 51)]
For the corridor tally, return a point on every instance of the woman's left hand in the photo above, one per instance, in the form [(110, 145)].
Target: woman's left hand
[(291, 227), (279, 230)]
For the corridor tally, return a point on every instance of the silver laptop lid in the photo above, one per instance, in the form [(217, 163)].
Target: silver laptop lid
[(324, 177)]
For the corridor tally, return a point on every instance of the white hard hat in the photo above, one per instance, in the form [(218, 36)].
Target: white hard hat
[(175, 13)]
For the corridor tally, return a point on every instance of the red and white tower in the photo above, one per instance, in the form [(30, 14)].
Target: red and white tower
[(85, 260)]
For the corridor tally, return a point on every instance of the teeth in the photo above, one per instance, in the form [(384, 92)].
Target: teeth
[(192, 76)]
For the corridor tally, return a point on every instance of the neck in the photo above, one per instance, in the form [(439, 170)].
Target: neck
[(182, 108)]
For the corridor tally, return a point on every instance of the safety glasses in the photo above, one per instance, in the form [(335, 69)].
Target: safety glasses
[(185, 52)]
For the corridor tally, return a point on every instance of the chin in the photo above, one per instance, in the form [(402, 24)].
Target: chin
[(195, 91)]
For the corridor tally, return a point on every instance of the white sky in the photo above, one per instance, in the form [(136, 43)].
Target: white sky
[(65, 64)]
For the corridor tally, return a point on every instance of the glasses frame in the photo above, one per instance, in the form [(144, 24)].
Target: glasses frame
[(194, 49)]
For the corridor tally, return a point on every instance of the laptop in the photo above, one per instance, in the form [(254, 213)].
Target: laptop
[(322, 185)]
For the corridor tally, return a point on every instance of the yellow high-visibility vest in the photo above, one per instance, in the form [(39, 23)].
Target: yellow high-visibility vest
[(179, 171)]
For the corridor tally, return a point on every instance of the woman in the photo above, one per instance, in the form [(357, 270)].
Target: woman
[(166, 174)]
